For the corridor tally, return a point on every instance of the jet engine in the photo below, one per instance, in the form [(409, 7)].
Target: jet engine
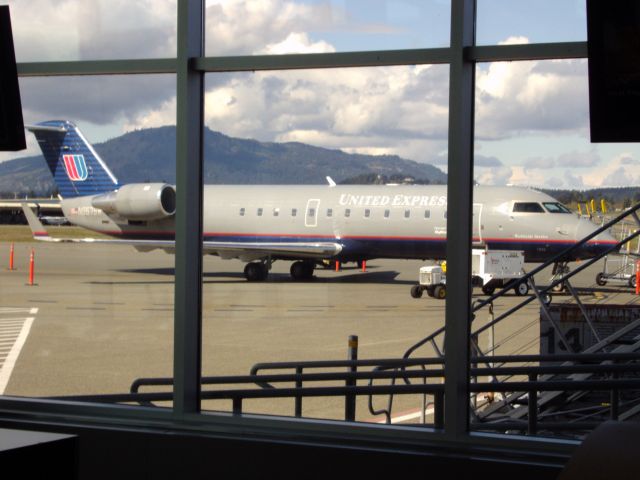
[(138, 201)]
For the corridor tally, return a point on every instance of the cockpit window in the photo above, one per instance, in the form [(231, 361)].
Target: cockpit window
[(555, 207), (528, 207)]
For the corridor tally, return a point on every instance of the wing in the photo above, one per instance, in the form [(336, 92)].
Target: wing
[(246, 251)]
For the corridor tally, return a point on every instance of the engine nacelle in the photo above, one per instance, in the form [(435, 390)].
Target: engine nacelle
[(139, 201)]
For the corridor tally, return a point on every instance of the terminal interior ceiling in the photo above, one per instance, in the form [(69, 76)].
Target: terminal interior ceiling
[(137, 363)]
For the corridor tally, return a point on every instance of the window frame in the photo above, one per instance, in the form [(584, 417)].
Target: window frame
[(189, 66)]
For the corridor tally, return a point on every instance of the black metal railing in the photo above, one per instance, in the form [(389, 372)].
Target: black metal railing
[(615, 373)]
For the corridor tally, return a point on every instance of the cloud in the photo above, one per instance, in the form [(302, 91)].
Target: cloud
[(553, 182), (513, 98), (573, 181), (539, 162), (627, 159), (620, 170), (494, 176), (620, 177), (483, 161), (76, 30), (298, 43), (577, 159), (361, 109), (100, 100), (266, 26)]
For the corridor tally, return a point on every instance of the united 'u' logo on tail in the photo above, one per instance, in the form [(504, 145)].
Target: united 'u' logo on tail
[(76, 167)]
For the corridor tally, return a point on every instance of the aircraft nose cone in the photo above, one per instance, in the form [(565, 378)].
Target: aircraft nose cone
[(598, 244)]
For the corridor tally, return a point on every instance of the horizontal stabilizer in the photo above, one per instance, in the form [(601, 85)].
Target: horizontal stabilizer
[(37, 229)]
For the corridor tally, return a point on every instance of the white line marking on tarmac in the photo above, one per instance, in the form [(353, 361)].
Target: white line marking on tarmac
[(407, 416), (15, 333)]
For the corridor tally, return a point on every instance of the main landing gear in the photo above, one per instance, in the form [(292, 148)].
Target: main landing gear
[(302, 270), (256, 271)]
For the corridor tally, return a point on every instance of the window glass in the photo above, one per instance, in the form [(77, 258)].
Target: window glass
[(245, 27), (271, 138), (93, 29), (96, 316), (532, 130), (521, 21), (532, 134)]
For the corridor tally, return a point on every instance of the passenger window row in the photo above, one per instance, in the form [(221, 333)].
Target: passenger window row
[(329, 213)]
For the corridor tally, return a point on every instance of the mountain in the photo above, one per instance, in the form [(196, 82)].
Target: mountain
[(149, 155)]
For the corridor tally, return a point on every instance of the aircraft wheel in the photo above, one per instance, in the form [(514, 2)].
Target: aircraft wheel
[(416, 291), (440, 292), (546, 298), (255, 272), (521, 288), (600, 280), (558, 288), (632, 281), (301, 270)]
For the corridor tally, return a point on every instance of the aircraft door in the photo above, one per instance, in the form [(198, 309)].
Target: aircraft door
[(476, 225), (311, 212)]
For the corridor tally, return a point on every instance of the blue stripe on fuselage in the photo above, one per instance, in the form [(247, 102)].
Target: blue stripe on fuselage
[(390, 247)]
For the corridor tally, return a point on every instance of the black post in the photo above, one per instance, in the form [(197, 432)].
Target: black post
[(533, 407), (438, 410), (298, 406), (350, 399)]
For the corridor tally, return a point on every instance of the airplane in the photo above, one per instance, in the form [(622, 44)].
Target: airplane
[(305, 224)]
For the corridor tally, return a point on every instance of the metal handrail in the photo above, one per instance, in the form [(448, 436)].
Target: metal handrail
[(589, 363)]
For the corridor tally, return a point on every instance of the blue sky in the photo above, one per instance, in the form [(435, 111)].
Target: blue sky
[(531, 117)]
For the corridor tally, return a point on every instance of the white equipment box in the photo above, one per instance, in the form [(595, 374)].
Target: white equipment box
[(497, 264)]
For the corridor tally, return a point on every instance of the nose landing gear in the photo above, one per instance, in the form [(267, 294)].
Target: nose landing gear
[(560, 269)]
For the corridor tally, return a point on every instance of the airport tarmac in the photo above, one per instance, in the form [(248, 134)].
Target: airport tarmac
[(100, 316)]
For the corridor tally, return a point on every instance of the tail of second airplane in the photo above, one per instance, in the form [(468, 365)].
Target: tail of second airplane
[(76, 167)]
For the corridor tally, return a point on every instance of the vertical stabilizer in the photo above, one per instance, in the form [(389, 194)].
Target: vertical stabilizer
[(76, 167)]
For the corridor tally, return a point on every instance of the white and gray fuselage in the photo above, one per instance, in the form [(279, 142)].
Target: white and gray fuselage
[(364, 222)]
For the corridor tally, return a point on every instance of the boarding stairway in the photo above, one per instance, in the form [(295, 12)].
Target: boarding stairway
[(512, 408)]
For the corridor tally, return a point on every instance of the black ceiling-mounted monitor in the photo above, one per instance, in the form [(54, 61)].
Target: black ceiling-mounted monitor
[(613, 29), (11, 124)]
